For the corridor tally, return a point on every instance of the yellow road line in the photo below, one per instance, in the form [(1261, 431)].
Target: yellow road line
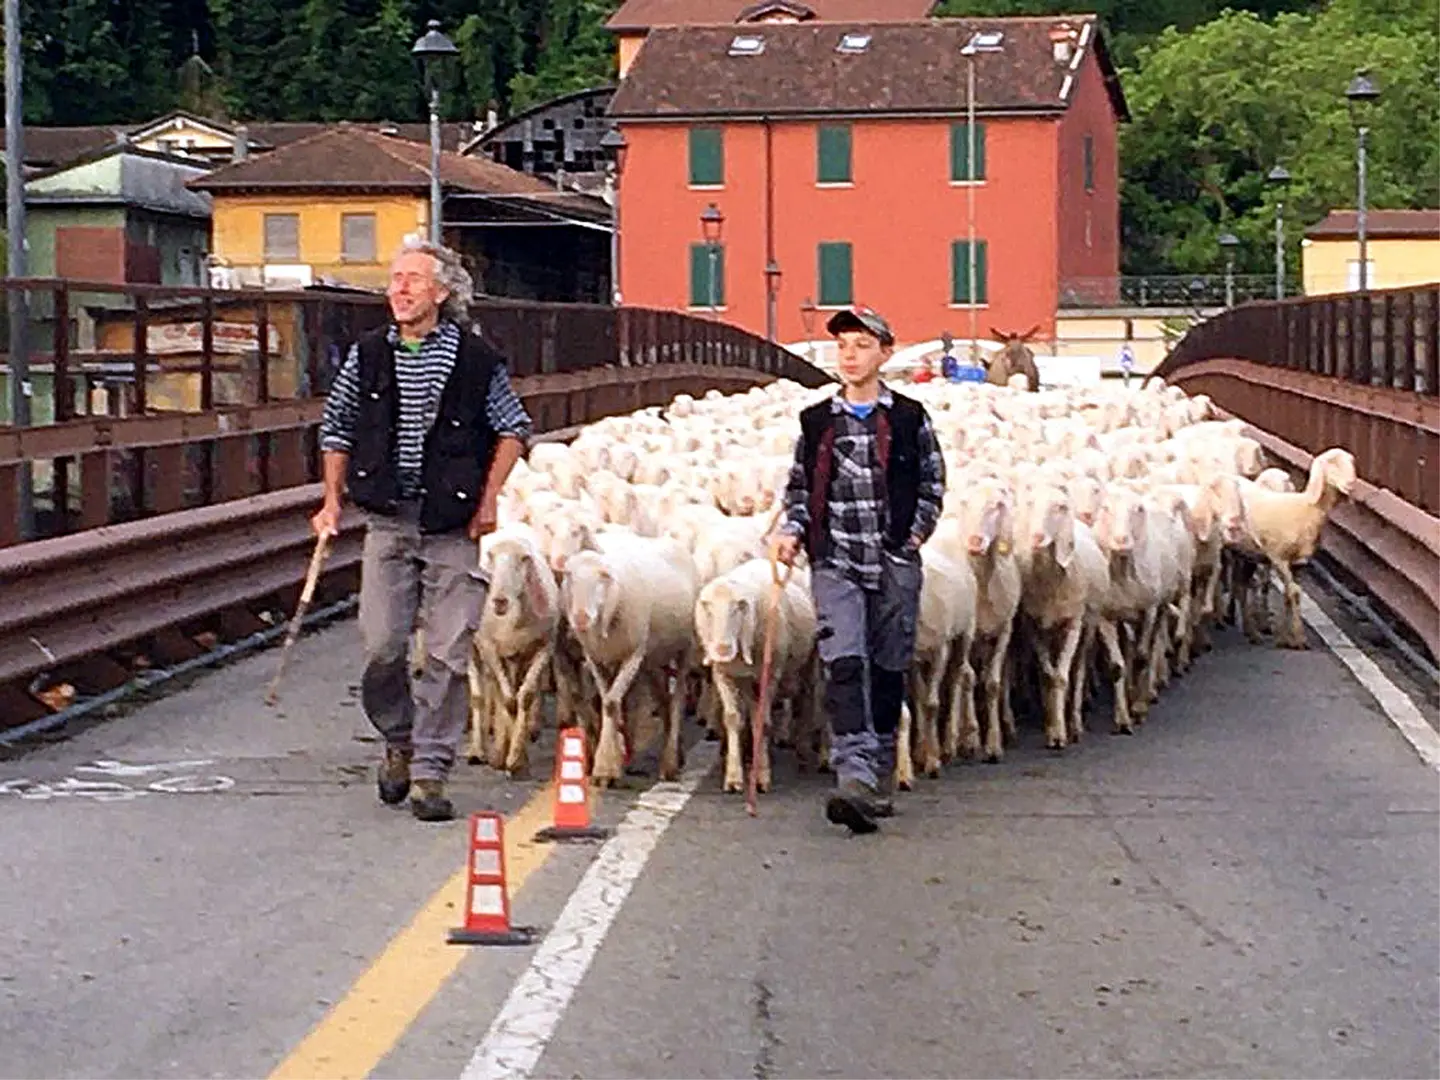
[(365, 1025)]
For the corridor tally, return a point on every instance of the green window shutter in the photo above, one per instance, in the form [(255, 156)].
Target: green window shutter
[(833, 151), (836, 280), (700, 276), (960, 151), (960, 272), (707, 156)]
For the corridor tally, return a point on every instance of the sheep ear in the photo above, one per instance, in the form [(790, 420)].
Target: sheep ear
[(1065, 546), (535, 589), (747, 630)]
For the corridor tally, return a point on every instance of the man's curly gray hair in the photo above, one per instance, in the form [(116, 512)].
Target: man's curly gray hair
[(451, 274)]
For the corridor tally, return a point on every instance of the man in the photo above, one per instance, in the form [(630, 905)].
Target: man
[(865, 492), (949, 366), (422, 427)]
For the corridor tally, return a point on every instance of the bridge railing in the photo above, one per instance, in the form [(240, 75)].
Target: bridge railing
[(152, 399), (1358, 371)]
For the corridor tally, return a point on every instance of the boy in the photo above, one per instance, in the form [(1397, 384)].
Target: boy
[(865, 492)]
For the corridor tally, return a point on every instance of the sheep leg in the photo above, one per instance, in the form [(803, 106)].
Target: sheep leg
[(997, 697), (527, 714), (502, 704), (930, 712), (1079, 680), (1114, 659), (709, 708), (1293, 636), (962, 713), (904, 761), (1141, 687), (671, 757), (475, 751), (609, 749), (1057, 678)]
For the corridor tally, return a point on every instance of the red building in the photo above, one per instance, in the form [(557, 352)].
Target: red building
[(838, 154)]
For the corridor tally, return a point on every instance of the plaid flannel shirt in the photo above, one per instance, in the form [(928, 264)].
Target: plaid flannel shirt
[(857, 516), (420, 378)]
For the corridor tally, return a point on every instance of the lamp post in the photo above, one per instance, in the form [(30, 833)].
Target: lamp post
[(1360, 96), (1279, 176), (712, 223), (988, 41), (19, 373), (1228, 243), (430, 50), (772, 299), (808, 311), (615, 146)]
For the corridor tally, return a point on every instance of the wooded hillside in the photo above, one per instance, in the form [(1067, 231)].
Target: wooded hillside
[(1220, 91)]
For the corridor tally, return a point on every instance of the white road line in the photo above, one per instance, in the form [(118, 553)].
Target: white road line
[(1402, 712), (527, 1021)]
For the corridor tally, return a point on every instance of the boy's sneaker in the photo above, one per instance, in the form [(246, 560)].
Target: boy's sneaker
[(429, 802), (852, 804), (393, 778)]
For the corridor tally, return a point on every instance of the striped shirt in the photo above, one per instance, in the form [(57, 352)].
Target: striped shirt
[(420, 377)]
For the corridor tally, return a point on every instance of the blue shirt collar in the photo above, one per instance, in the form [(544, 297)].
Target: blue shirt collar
[(885, 400)]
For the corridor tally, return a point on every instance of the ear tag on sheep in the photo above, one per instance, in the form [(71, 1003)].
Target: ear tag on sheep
[(1002, 546)]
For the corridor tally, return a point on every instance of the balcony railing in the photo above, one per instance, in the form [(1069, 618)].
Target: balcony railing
[(1193, 292)]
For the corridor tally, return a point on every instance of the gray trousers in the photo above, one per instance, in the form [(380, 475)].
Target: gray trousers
[(866, 640), (412, 580)]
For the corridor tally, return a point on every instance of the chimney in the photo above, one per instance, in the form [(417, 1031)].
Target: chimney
[(242, 143), (492, 118), (1062, 42)]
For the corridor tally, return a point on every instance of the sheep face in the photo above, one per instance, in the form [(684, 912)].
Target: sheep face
[(985, 517), (725, 624), (1086, 493), (515, 585), (1338, 468), (1120, 524), (1052, 525), (591, 594)]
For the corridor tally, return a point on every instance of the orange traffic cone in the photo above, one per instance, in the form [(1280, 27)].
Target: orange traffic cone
[(572, 792), (487, 900)]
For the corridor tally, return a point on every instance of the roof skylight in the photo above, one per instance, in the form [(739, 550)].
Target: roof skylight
[(747, 45), (854, 42)]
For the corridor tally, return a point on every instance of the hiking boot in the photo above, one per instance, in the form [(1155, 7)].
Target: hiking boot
[(429, 802), (852, 804), (393, 778)]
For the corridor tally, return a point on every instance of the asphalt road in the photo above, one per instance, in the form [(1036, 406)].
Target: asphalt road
[(1250, 886)]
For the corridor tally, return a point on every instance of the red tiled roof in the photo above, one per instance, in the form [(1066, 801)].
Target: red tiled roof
[(905, 68), (638, 15), (1379, 225), (47, 146)]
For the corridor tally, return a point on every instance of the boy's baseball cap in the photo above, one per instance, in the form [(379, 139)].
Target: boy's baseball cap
[(859, 317)]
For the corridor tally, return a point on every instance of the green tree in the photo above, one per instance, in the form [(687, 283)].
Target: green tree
[(1216, 108), (76, 69), (259, 47)]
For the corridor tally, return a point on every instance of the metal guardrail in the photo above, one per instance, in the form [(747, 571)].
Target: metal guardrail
[(1359, 372), (1195, 292), (212, 395)]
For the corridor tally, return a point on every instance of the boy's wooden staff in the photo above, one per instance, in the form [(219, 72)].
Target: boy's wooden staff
[(317, 560)]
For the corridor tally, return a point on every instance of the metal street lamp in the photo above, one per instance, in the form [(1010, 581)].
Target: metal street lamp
[(1279, 176), (986, 41), (1228, 243), (430, 51), (772, 298), (1360, 97), (808, 311), (16, 299), (614, 146), (712, 223)]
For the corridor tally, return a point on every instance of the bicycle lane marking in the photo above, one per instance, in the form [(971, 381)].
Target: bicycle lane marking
[(366, 1024), (531, 1014)]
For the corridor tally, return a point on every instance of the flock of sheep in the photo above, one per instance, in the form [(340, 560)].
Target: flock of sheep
[(1090, 536)]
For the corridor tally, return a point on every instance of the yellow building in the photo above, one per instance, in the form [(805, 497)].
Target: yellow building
[(1402, 248), (335, 207)]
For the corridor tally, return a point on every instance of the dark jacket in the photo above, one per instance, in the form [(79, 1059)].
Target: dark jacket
[(458, 447), (898, 448)]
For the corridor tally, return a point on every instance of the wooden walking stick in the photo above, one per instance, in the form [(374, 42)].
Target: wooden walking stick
[(762, 702), (317, 560)]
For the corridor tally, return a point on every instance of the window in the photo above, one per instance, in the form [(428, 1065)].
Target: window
[(836, 275), (282, 237), (747, 45), (357, 238), (707, 156), (1352, 275), (960, 272), (1089, 152), (960, 152), (832, 144), (853, 42), (707, 270)]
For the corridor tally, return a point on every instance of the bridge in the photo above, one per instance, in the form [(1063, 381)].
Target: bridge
[(200, 885)]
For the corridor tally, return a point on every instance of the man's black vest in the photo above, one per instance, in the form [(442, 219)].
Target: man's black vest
[(458, 446), (897, 431)]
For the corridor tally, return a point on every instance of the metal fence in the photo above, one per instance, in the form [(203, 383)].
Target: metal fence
[(156, 399), (1192, 293)]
